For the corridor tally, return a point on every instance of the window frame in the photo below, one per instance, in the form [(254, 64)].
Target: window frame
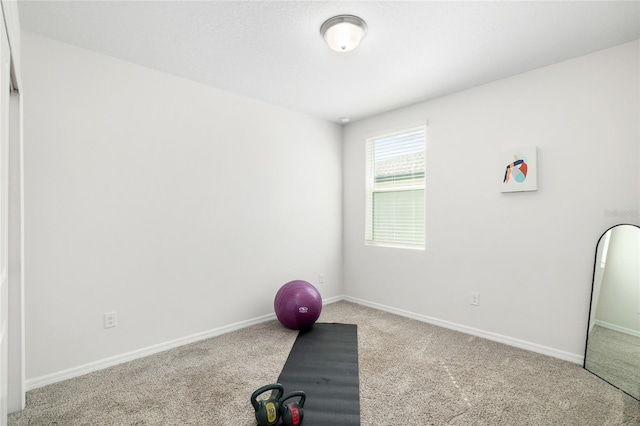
[(414, 184)]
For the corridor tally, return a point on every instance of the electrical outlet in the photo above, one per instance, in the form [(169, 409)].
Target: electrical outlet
[(110, 319), (320, 278), (475, 299)]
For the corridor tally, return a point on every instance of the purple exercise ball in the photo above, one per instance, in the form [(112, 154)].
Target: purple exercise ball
[(297, 304)]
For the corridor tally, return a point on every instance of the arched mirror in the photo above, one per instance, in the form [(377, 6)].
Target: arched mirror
[(613, 335)]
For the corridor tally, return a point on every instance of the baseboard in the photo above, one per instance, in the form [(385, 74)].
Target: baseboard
[(522, 344), (70, 373), (617, 328), (333, 299)]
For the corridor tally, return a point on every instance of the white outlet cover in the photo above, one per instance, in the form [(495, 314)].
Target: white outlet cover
[(110, 319)]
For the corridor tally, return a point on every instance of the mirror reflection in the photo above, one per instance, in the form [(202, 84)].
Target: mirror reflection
[(613, 336)]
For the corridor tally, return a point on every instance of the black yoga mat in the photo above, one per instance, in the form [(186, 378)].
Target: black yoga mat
[(324, 364)]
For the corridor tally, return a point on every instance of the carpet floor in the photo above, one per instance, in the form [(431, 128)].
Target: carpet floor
[(410, 373), (615, 357)]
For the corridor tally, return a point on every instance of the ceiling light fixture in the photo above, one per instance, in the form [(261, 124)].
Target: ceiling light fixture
[(343, 32)]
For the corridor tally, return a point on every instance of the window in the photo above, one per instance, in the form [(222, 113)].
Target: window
[(395, 189)]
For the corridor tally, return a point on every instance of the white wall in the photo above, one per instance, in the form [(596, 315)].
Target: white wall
[(182, 207), (529, 255)]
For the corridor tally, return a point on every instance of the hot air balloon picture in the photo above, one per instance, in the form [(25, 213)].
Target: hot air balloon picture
[(519, 169)]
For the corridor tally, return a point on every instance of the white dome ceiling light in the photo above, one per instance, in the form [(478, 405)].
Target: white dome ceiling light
[(343, 32)]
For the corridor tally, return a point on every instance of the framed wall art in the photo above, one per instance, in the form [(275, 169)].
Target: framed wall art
[(519, 169)]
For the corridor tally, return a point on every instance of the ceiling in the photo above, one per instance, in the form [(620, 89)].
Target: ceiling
[(273, 51)]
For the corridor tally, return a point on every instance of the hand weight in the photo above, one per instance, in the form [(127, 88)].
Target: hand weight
[(267, 411), (292, 412)]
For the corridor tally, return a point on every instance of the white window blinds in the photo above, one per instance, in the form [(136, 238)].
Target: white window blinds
[(395, 189)]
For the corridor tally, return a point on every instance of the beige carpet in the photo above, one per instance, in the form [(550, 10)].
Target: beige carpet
[(615, 357), (411, 373)]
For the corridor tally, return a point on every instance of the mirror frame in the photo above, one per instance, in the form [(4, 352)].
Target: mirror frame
[(593, 282)]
